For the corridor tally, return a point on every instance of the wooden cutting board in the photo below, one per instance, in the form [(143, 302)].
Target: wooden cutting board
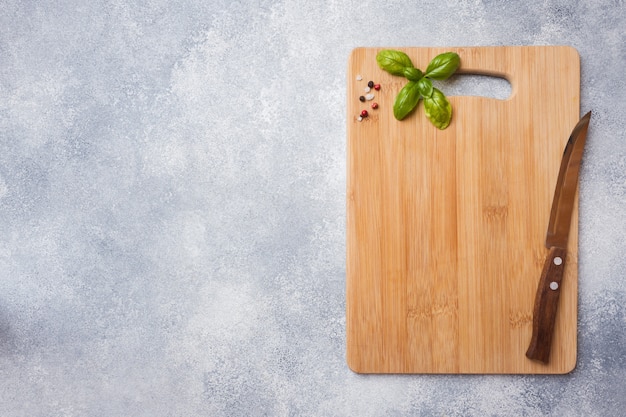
[(446, 229)]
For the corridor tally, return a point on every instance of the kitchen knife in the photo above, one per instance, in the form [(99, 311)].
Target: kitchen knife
[(549, 288)]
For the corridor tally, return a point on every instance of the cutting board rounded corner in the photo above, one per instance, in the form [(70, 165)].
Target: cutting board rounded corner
[(353, 365), (572, 50), (570, 366), (356, 51)]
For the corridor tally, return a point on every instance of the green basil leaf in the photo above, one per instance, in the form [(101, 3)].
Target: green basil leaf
[(425, 87), (443, 66), (438, 109), (412, 74), (393, 62), (406, 100)]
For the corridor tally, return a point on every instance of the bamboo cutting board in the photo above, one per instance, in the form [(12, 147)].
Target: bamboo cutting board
[(446, 229)]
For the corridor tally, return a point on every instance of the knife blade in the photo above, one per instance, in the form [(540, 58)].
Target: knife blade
[(549, 287)]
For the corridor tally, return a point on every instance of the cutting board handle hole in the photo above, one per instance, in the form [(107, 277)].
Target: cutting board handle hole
[(476, 85)]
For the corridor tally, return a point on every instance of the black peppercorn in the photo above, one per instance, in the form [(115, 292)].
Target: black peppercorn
[(370, 84), (362, 98)]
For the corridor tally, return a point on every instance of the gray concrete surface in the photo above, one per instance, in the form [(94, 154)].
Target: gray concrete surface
[(172, 207)]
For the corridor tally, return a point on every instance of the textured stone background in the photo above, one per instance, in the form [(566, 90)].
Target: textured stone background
[(172, 207)]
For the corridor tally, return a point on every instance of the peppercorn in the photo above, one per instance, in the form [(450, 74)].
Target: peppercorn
[(370, 84), (374, 105), (364, 113), (376, 87), (362, 98)]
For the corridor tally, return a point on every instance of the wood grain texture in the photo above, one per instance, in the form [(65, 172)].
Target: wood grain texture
[(445, 229)]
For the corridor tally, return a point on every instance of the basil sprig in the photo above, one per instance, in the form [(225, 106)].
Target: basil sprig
[(420, 86)]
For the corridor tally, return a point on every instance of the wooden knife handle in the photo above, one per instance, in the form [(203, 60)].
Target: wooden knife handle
[(546, 303)]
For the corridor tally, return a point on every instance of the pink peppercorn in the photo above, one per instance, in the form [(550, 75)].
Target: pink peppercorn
[(376, 87), (364, 113), (374, 105)]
